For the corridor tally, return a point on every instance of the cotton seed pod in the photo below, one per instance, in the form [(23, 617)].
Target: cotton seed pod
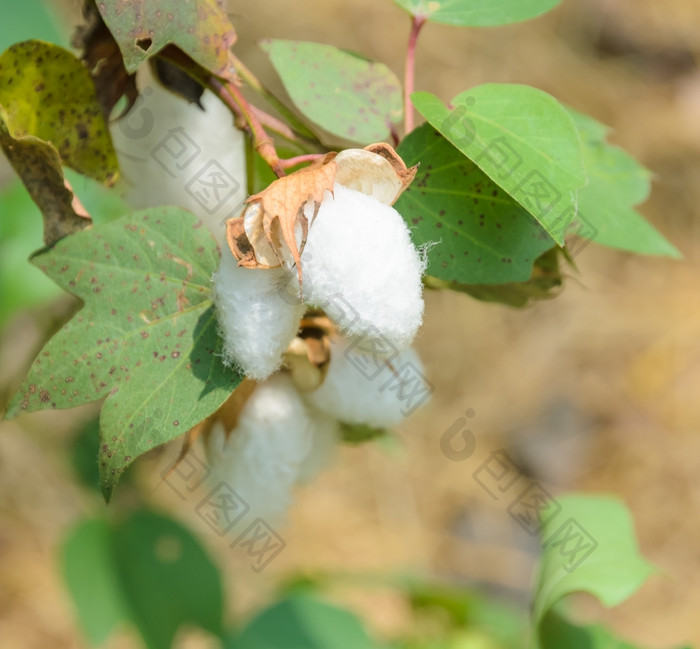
[(352, 251), (277, 220)]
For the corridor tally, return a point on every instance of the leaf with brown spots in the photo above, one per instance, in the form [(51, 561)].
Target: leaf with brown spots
[(348, 96), (146, 341), (481, 235), (49, 117), (47, 93), (142, 28)]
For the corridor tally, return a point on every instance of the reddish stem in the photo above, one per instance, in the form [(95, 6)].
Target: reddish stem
[(307, 157), (274, 124), (262, 142), (417, 23)]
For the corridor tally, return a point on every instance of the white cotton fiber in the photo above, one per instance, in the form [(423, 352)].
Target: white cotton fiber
[(325, 435), (258, 315), (173, 153), (262, 456), (362, 389), (359, 251)]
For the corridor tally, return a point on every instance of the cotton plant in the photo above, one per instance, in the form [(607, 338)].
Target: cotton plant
[(266, 292), (282, 246), (332, 227)]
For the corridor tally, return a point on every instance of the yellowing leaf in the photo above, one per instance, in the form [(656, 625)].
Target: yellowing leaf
[(49, 117)]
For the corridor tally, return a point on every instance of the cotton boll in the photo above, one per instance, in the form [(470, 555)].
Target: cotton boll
[(359, 389), (359, 250), (173, 153), (257, 315), (262, 456)]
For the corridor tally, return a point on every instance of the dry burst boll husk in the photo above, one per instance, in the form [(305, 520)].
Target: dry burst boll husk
[(275, 225), (325, 236)]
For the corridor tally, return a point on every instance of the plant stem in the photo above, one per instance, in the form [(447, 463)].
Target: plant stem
[(263, 143), (417, 23), (274, 124)]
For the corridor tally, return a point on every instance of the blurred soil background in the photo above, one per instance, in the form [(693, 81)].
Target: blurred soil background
[(596, 390)]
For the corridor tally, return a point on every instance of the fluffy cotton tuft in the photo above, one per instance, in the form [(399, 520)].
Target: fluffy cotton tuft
[(325, 435), (358, 390), (262, 456), (258, 316), (359, 259), (278, 441), (166, 146)]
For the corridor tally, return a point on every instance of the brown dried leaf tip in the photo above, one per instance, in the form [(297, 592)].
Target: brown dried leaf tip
[(273, 228)]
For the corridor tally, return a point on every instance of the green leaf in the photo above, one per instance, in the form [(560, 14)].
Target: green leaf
[(146, 338), (523, 139), (593, 550), (21, 284), (477, 13), (89, 572), (142, 28), (148, 570), (303, 622), (348, 96), (617, 182), (166, 577), (483, 236), (543, 284), (47, 93)]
